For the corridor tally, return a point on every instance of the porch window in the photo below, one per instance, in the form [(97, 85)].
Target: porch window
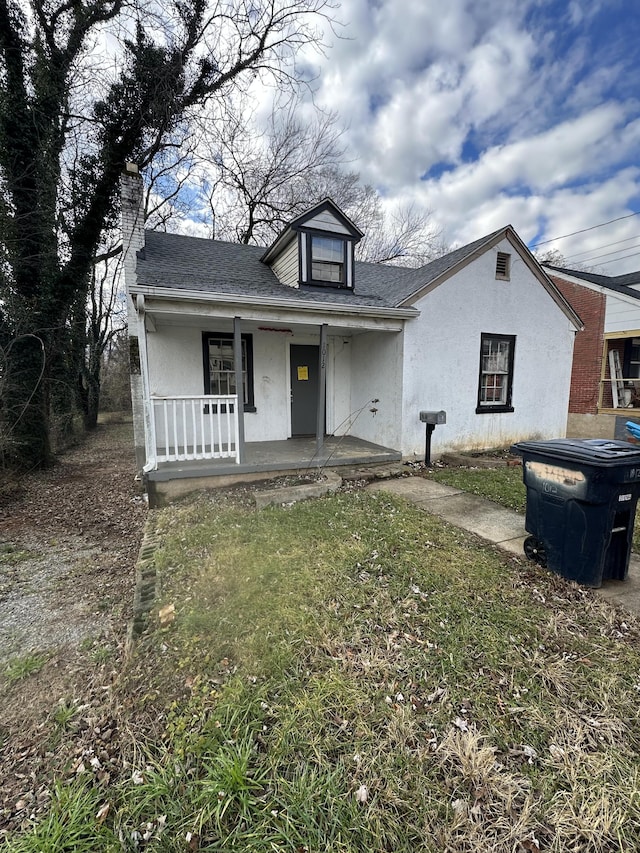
[(496, 373), (219, 366)]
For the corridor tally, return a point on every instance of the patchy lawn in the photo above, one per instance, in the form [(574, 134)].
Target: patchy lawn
[(502, 485), (350, 674)]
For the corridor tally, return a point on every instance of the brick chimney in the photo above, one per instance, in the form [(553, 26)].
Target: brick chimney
[(131, 220), (132, 227)]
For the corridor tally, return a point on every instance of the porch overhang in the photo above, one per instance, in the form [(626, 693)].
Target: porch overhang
[(170, 305)]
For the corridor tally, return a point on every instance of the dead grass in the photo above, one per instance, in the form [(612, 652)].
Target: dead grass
[(349, 674), (502, 485)]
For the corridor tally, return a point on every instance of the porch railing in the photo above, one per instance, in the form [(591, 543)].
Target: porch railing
[(191, 428)]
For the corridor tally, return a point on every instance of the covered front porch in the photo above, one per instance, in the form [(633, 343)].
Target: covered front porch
[(311, 394)]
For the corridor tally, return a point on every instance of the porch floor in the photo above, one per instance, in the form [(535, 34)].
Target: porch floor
[(293, 454)]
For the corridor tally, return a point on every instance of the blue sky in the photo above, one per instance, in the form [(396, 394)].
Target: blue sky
[(496, 112)]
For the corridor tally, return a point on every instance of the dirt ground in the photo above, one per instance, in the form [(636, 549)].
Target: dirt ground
[(69, 539)]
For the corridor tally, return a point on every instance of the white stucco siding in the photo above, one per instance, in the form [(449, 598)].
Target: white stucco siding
[(285, 266), (376, 373), (621, 315), (177, 369), (175, 361), (442, 358), (338, 384)]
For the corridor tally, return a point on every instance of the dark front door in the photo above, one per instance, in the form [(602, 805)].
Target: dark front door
[(304, 389)]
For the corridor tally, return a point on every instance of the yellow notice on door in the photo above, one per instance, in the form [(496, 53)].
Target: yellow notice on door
[(303, 373)]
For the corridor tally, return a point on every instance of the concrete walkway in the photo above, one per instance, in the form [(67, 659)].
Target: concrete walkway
[(502, 527)]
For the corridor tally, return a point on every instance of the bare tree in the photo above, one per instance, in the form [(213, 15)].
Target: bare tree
[(115, 390), (258, 180), (67, 127), (104, 319), (555, 258)]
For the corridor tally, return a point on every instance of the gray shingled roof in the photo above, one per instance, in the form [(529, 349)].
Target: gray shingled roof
[(617, 283), (212, 266)]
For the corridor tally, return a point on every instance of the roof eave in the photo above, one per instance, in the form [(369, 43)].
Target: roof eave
[(176, 294), (282, 240), (297, 224), (546, 282), (624, 291), (455, 268), (508, 232)]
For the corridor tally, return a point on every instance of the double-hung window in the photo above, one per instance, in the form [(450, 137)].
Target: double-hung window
[(219, 366), (496, 373), (328, 259)]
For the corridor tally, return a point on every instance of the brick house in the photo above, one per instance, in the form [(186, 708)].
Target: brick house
[(605, 375)]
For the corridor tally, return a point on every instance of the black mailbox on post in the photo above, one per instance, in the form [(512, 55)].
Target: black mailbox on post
[(431, 419), (434, 417)]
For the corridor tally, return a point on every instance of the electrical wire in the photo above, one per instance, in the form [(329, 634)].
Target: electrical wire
[(615, 260), (584, 230), (603, 246), (606, 254)]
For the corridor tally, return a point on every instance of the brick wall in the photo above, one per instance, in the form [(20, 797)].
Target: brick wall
[(587, 351), (132, 225)]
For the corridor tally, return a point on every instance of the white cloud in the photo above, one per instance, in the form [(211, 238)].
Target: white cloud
[(523, 109), (539, 164), (522, 116)]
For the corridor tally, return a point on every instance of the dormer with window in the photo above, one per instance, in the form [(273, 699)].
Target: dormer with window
[(316, 249)]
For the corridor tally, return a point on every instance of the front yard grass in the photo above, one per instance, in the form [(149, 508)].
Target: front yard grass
[(351, 674), (503, 485)]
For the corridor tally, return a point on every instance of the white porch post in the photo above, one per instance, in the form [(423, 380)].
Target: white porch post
[(149, 414), (322, 385), (237, 361)]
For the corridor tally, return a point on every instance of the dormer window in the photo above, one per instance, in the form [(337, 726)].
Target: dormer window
[(328, 259), (316, 249)]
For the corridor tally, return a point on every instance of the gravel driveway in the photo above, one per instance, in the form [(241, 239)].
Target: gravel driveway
[(69, 540)]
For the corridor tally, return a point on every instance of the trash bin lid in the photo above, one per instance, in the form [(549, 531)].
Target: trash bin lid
[(599, 452)]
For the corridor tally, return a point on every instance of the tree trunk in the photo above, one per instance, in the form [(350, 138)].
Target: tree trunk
[(25, 411), (93, 402)]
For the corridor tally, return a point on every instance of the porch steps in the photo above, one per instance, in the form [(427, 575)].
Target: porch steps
[(369, 473), (161, 493)]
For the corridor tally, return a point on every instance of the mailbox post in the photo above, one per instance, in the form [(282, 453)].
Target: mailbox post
[(431, 419)]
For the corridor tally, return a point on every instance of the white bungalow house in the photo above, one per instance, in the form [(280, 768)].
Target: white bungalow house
[(333, 360)]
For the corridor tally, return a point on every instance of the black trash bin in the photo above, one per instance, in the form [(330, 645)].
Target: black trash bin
[(581, 505)]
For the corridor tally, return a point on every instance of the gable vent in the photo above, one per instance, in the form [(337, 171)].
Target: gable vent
[(503, 265)]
